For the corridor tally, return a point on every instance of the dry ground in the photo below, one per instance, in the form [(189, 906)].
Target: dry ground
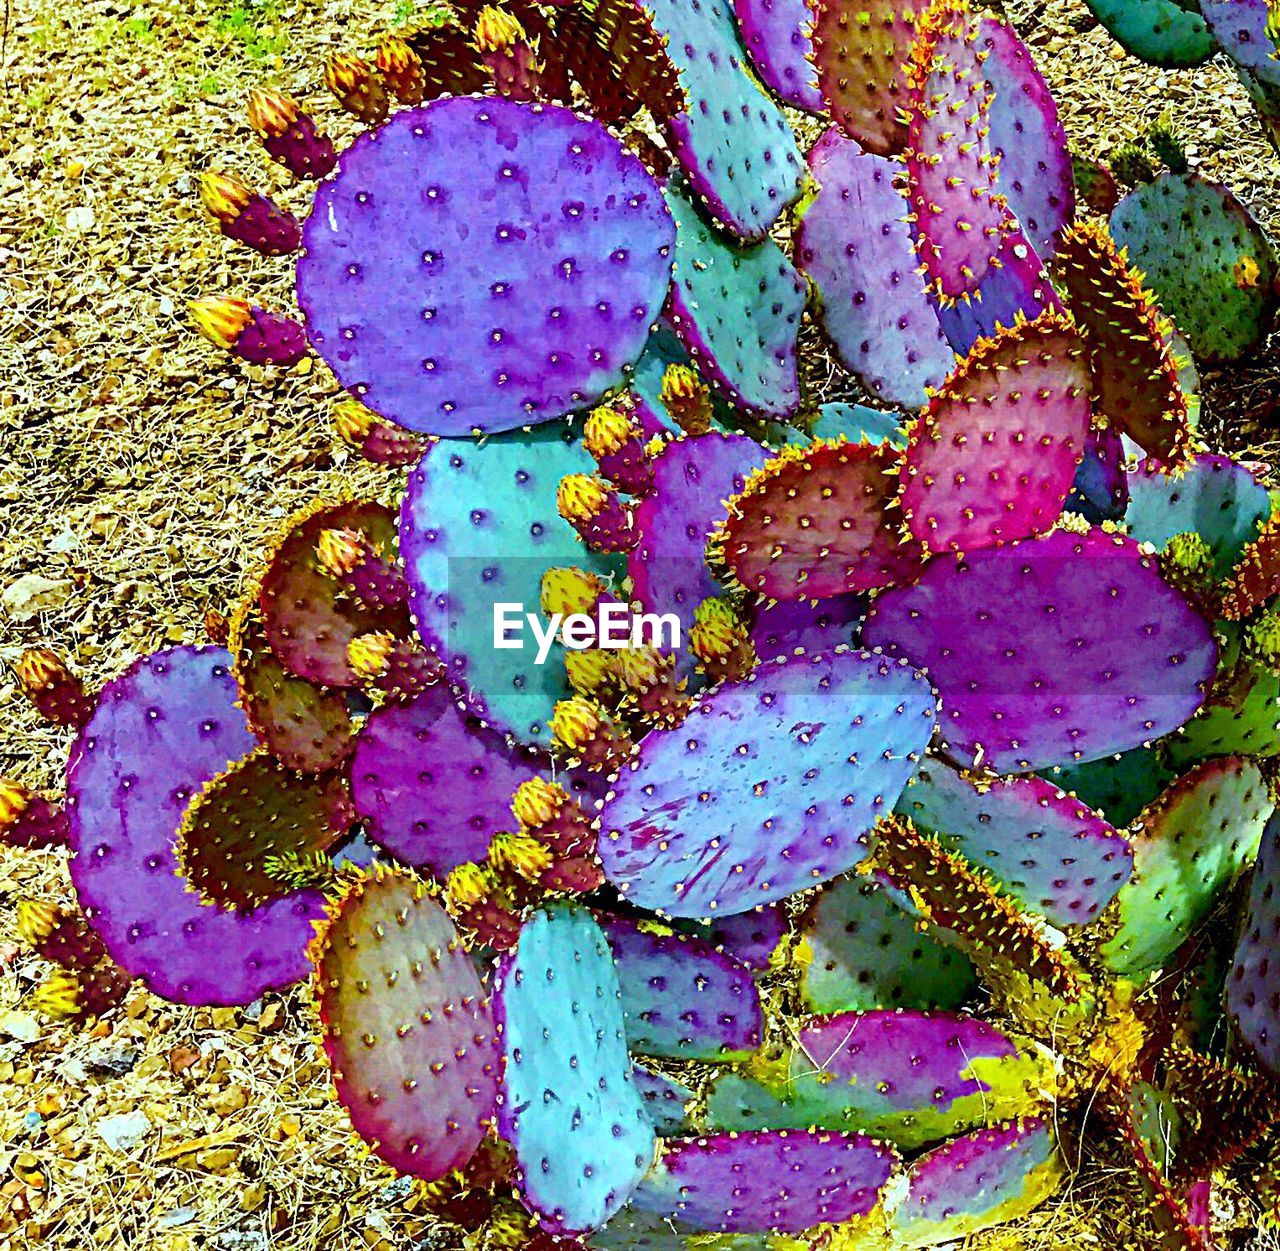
[(139, 471)]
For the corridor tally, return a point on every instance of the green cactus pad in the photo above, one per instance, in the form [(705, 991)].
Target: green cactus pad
[(307, 615), (1117, 786), (1240, 719), (1160, 32), (911, 1078), (859, 950), (1187, 845), (737, 311), (988, 1178), (1209, 263), (257, 809), (305, 726), (406, 1027)]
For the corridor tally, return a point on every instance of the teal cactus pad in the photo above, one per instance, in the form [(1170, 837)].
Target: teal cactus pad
[(416, 1063), (910, 1078), (855, 244), (859, 950), (479, 526), (733, 142), (767, 1181), (988, 1178), (1209, 263), (1160, 32), (1013, 637), (1117, 786), (1216, 498), (1240, 27), (1187, 846), (1240, 719), (1253, 985), (858, 423), (683, 999), (770, 786), (737, 311), (1048, 851), (666, 1100), (568, 1104)]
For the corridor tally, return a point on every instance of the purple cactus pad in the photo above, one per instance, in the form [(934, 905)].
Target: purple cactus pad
[(798, 627), (683, 999), (776, 33), (1253, 987), (769, 787), (693, 476), (504, 290), (1101, 489), (734, 143), (767, 1181), (666, 1101), (160, 732), (1240, 27), (432, 783), (752, 937), (416, 1062), (855, 243), (1053, 651), (1050, 852), (1035, 173)]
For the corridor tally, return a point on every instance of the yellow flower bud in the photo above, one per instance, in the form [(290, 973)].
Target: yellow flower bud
[(368, 653), (59, 995), (570, 590), (271, 113), (590, 669), (519, 853), (496, 30), (607, 430), (340, 551), (575, 722), (14, 798), (469, 884), (221, 318), (225, 197), (580, 497), (35, 920), (537, 801), (353, 422)]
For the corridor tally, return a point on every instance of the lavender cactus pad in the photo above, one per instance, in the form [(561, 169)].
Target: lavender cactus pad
[(769, 786), (1035, 174), (769, 1181), (1216, 498), (479, 526), (805, 627), (431, 783), (776, 33), (1101, 488), (1240, 27), (415, 1064), (666, 1101), (1253, 986), (737, 311), (1187, 846), (159, 733), (855, 243), (577, 1122), (974, 1183), (993, 457), (1015, 637), (692, 479), (733, 142), (751, 938), (859, 950), (448, 309), (1051, 853), (682, 999)]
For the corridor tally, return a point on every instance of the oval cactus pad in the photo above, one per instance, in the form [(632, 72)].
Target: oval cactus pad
[(734, 143), (1160, 32), (1209, 263), (776, 33), (859, 950), (768, 1181), (1187, 846), (814, 523), (985, 1179), (1014, 638), (1253, 986), (798, 627), (855, 243), (1240, 27), (1046, 849), (510, 288), (737, 311), (478, 526), (769, 787), (993, 457), (681, 997), (569, 1106), (431, 783), (405, 1025), (160, 732)]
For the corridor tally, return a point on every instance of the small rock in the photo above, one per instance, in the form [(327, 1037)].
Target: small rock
[(20, 1025), (241, 1240), (32, 1121), (80, 219), (395, 1191), (175, 1217), (33, 593), (123, 1133), (435, 1239), (108, 1061)]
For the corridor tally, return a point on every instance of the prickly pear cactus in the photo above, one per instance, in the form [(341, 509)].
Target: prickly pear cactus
[(1162, 32), (569, 247), (776, 33), (1253, 985)]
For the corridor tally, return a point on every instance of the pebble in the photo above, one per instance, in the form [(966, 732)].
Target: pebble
[(124, 1132), (241, 1240), (175, 1217), (108, 1061)]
